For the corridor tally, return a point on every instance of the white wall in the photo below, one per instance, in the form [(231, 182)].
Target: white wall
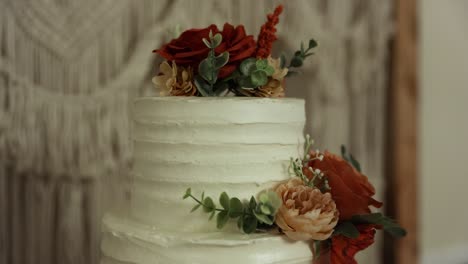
[(444, 131)]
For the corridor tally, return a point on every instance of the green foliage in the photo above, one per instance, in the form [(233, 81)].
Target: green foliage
[(249, 215), (349, 158), (346, 229), (299, 56), (254, 73), (208, 69), (389, 225)]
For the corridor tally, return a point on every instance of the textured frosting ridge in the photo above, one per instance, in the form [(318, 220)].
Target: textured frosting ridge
[(238, 145)]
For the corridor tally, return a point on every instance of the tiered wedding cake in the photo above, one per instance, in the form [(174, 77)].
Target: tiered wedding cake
[(234, 144)]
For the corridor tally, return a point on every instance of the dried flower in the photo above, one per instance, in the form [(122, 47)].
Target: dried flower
[(306, 212), (267, 34), (175, 81)]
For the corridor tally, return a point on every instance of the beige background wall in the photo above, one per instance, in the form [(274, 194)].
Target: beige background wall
[(444, 131)]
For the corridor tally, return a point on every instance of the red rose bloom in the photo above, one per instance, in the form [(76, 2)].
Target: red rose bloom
[(350, 189), (189, 49), (343, 249)]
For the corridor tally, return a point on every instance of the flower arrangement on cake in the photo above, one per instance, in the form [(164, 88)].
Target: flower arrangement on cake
[(327, 200), (213, 62)]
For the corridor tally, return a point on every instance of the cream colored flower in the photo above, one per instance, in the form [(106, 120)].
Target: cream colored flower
[(279, 73), (306, 213), (166, 78), (175, 81)]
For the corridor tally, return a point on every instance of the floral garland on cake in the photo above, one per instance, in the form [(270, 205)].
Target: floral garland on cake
[(214, 62), (328, 199), (327, 202)]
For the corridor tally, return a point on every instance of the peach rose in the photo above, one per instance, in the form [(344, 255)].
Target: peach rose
[(306, 213)]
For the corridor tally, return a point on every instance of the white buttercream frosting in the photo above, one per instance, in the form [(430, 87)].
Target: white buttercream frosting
[(238, 145)]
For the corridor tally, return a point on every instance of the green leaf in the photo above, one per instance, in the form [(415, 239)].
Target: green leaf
[(263, 218), (274, 199), (247, 66), (246, 82), (261, 64), (269, 70), (202, 86), (263, 197), (297, 61), (207, 70), (220, 87), (187, 194), (210, 35), (265, 209), (240, 222), (224, 200), (211, 215), (312, 44), (347, 229), (259, 78), (282, 60), (222, 219), (236, 207), (221, 60), (208, 205), (389, 225), (195, 208), (202, 196), (249, 224), (355, 163), (207, 43), (216, 40), (343, 152), (252, 203)]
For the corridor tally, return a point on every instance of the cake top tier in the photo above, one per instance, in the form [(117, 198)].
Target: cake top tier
[(241, 110)]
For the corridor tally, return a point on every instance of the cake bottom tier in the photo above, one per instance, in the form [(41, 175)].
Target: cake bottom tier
[(128, 242)]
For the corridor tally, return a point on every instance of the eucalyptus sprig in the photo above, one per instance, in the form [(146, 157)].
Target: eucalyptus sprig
[(299, 56), (249, 215), (208, 68), (254, 73)]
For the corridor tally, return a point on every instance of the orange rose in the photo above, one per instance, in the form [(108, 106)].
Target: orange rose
[(306, 213), (350, 189)]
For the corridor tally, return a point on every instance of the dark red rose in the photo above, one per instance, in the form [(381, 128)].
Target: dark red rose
[(189, 49), (343, 249), (350, 189)]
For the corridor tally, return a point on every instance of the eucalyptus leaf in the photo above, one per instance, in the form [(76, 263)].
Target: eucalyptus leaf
[(269, 70), (211, 215), (265, 209), (347, 229), (252, 202), (355, 163), (202, 86), (220, 87), (312, 43), (207, 43), (261, 64), (224, 200), (216, 40), (296, 62), (187, 194), (246, 82), (222, 219), (263, 197), (247, 66), (236, 207), (263, 218), (206, 70), (208, 205), (259, 78), (389, 225), (210, 35), (249, 224), (221, 60), (195, 208)]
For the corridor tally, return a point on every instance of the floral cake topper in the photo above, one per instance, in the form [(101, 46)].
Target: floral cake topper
[(214, 62)]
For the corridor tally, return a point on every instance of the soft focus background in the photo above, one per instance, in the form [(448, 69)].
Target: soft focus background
[(70, 69)]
